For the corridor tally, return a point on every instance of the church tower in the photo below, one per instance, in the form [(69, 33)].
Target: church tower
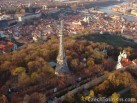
[(62, 66)]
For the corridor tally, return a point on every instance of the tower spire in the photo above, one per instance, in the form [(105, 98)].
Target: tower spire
[(62, 66), (29, 4)]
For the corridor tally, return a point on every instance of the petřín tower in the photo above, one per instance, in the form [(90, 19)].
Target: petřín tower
[(62, 66)]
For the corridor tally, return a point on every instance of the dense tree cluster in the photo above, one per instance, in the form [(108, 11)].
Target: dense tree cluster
[(29, 66), (116, 82), (33, 59), (110, 88)]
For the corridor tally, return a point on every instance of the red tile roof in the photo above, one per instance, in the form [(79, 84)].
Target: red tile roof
[(125, 62), (6, 46)]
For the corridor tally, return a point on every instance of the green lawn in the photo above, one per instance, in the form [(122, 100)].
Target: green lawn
[(112, 40)]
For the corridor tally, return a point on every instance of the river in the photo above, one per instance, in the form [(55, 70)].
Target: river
[(108, 11)]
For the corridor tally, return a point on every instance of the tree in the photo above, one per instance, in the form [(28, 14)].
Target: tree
[(103, 88), (38, 98), (90, 62), (75, 64), (91, 93), (18, 70), (115, 97), (70, 97), (97, 57), (31, 66), (34, 98), (34, 77), (24, 80), (69, 58), (42, 98), (47, 69), (87, 98), (109, 64), (5, 65), (119, 78), (83, 98)]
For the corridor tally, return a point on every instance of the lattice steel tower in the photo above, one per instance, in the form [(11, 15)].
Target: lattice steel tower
[(62, 66)]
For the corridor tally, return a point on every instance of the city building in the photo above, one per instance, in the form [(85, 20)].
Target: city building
[(29, 17), (124, 62), (7, 46), (134, 12)]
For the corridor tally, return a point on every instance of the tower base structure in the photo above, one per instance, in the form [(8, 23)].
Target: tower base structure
[(62, 69)]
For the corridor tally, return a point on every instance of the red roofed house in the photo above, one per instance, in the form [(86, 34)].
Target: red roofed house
[(7, 46)]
